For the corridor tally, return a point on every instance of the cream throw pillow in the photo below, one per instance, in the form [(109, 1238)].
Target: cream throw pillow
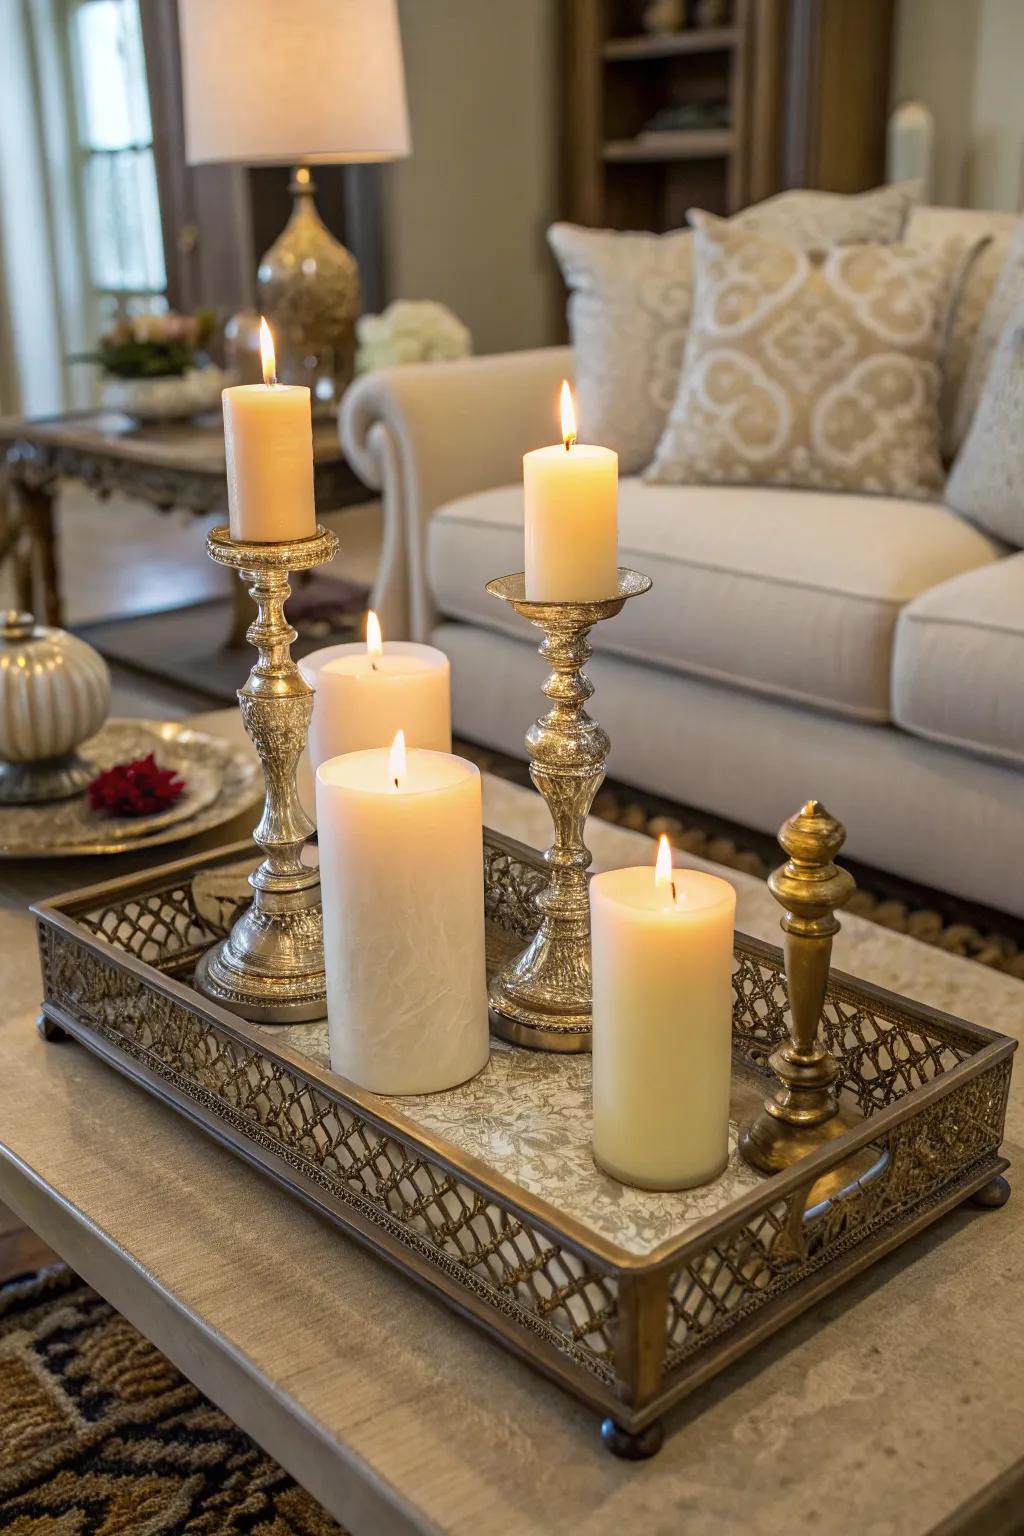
[(629, 310), (816, 220), (819, 371), (987, 481), (1007, 294), (630, 297)]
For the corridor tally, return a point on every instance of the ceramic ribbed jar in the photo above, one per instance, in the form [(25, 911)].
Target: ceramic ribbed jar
[(54, 694)]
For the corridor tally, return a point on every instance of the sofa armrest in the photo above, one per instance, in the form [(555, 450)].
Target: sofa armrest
[(426, 433)]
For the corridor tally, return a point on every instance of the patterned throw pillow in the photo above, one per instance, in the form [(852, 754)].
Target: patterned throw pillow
[(811, 370), (987, 479), (630, 297), (816, 220), (1007, 294)]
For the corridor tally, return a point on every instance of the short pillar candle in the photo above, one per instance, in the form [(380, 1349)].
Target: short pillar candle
[(662, 1023), (401, 872), (363, 694)]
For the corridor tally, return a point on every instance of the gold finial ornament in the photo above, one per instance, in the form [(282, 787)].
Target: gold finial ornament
[(802, 1113)]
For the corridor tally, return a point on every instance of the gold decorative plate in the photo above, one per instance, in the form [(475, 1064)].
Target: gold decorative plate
[(224, 780)]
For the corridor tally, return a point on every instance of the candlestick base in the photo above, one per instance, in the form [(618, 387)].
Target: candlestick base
[(542, 998), (270, 968)]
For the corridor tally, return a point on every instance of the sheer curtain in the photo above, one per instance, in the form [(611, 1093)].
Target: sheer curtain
[(45, 300)]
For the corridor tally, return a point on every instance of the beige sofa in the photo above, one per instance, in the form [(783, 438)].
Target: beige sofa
[(866, 650)]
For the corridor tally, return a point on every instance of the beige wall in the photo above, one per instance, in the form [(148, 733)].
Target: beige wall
[(465, 216), (965, 60)]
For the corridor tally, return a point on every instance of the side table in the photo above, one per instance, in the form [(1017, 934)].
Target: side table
[(168, 465)]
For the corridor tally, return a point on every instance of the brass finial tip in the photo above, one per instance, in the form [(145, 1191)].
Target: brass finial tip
[(812, 836)]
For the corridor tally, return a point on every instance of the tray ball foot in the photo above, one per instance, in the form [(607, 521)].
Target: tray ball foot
[(633, 1446), (49, 1031), (993, 1194)]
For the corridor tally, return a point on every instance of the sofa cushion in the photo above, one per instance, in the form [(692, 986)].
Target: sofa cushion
[(790, 593), (958, 662)]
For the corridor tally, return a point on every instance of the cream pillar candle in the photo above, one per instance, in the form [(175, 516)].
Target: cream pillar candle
[(365, 693), (268, 441), (662, 1033), (571, 518), (401, 872)]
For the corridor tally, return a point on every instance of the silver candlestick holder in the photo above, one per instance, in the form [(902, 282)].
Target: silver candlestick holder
[(543, 997), (270, 968)]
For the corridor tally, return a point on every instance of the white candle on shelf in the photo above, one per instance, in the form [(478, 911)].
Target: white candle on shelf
[(365, 693), (268, 441), (571, 518), (662, 1033), (401, 872)]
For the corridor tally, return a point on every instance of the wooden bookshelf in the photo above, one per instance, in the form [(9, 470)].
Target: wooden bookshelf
[(782, 93)]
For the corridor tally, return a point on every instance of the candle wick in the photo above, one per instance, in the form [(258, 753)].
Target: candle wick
[(673, 885), (396, 783), (373, 666)]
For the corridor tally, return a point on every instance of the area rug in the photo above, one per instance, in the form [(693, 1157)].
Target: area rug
[(101, 1436)]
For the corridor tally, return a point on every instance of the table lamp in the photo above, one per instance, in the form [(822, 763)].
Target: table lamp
[(298, 83)]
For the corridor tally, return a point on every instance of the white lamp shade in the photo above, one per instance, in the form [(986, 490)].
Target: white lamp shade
[(285, 82)]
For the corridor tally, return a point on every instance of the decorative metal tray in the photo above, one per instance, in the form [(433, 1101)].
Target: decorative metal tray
[(488, 1194)]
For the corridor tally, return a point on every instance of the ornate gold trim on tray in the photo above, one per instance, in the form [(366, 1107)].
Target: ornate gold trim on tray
[(629, 1311)]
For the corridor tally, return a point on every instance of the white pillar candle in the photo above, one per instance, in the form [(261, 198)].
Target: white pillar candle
[(363, 694), (571, 518), (268, 441), (662, 1032), (401, 873)]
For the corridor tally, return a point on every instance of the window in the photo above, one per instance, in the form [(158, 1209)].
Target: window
[(118, 175)]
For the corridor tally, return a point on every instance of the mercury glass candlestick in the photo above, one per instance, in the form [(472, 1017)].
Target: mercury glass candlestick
[(543, 997), (270, 968)]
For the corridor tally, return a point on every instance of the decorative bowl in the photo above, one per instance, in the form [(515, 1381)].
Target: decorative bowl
[(168, 397)]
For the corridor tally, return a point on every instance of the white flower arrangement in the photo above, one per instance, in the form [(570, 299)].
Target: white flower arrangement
[(410, 331)]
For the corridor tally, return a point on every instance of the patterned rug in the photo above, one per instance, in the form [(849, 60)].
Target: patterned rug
[(989, 938), (101, 1436)]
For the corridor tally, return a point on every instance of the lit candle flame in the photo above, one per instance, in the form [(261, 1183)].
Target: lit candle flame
[(663, 881), (568, 416), (267, 353), (374, 638), (396, 759)]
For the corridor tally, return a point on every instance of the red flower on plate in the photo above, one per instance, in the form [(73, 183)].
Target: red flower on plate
[(140, 788)]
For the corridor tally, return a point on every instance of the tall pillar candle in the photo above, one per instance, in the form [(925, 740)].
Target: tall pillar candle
[(401, 873), (363, 694), (662, 1023), (268, 442), (571, 518)]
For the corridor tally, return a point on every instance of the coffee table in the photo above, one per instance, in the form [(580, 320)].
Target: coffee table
[(177, 464), (883, 1409)]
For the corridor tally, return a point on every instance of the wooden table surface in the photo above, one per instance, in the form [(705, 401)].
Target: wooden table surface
[(877, 1413)]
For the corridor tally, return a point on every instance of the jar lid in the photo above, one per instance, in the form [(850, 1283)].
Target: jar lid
[(15, 625)]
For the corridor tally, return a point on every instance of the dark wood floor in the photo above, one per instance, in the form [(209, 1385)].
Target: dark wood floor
[(21, 1251)]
